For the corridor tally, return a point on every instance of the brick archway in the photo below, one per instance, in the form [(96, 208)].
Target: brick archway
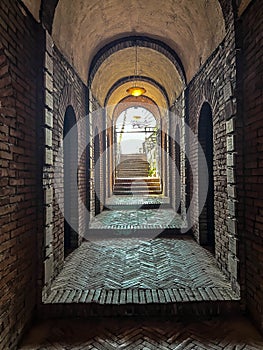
[(67, 98)]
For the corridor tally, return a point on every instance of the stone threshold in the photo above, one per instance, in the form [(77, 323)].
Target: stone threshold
[(141, 296)]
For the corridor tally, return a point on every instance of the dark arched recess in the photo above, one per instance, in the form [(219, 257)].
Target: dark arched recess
[(205, 138), (70, 159)]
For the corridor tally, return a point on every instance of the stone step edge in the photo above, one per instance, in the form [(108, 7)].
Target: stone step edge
[(136, 192), (141, 296), (137, 206), (105, 232), (137, 185)]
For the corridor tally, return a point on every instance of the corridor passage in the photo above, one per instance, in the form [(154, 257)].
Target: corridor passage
[(131, 162)]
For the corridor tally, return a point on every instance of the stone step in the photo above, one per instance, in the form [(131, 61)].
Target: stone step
[(123, 276), (136, 206), (141, 186), (137, 189), (140, 202), (181, 304), (135, 161), (142, 179), (133, 166), (125, 175), (132, 173), (132, 193), (137, 183), (133, 232), (133, 169), (138, 163), (133, 157)]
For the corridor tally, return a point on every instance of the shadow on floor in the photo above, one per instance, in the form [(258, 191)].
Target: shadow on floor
[(124, 333)]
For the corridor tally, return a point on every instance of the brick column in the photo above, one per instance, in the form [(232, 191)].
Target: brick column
[(230, 114), (48, 166)]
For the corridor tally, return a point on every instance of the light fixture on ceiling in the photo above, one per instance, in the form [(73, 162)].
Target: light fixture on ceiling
[(136, 90)]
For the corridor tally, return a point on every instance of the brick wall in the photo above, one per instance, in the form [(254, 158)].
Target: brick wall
[(216, 84), (68, 90), (20, 175), (250, 188)]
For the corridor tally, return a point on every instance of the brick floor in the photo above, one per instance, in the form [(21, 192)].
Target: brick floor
[(159, 334), (137, 218), (137, 271)]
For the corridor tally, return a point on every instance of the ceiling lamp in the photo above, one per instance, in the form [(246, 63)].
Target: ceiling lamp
[(136, 90)]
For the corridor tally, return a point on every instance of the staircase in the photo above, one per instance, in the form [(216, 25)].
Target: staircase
[(133, 165), (137, 186), (132, 177)]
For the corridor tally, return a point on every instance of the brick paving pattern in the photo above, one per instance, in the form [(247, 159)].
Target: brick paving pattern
[(137, 219), (140, 271), (110, 334)]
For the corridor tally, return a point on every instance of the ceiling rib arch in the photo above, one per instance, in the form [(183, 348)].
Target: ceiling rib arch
[(151, 64), (137, 78), (153, 93), (142, 101), (133, 41)]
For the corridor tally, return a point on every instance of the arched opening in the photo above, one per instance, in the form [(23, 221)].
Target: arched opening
[(137, 151), (205, 138), (136, 131), (97, 174), (70, 159), (177, 171)]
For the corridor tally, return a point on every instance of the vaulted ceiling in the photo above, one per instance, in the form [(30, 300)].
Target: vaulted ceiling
[(192, 29), (151, 64)]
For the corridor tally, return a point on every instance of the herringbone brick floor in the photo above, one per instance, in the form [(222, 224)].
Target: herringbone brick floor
[(136, 271), (137, 218), (109, 334)]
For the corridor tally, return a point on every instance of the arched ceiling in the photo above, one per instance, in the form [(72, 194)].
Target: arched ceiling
[(193, 29), (152, 92), (151, 64), (141, 102)]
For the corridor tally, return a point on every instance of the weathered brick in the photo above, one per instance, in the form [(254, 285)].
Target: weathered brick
[(18, 62)]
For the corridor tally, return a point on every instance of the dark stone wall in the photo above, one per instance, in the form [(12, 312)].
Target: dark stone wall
[(250, 146), (20, 219)]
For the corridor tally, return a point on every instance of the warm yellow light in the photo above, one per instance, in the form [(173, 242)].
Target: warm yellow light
[(136, 91)]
